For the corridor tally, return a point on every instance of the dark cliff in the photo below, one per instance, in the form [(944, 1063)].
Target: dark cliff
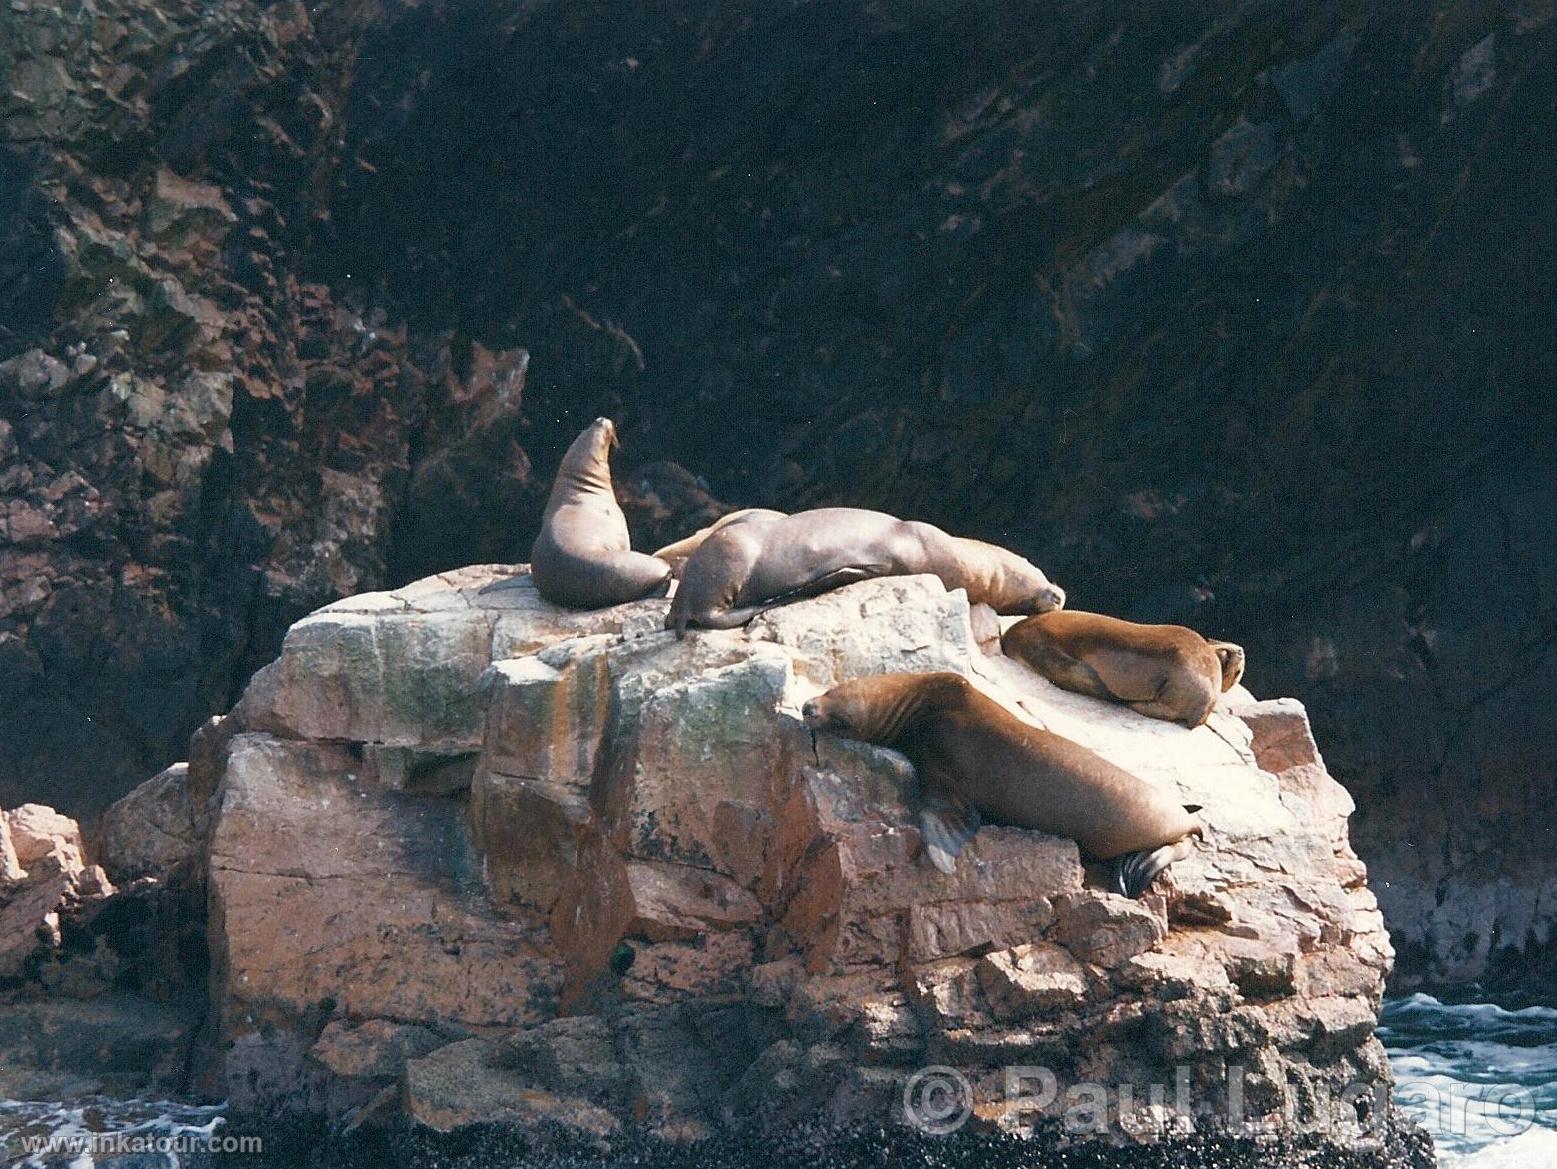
[(1239, 315)]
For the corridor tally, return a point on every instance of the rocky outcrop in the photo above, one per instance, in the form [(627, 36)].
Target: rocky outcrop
[(86, 1005), (1139, 295), (470, 856)]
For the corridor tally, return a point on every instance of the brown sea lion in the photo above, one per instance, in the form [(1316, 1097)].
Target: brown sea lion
[(676, 554), (744, 568), (972, 755), (583, 557), (1161, 671)]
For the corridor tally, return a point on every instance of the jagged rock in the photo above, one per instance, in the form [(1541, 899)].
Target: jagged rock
[(1108, 930), (10, 867), (56, 883), (29, 913), (1032, 979), (576, 1056), (38, 831), (362, 1063), (671, 905), (457, 1085), (373, 1049)]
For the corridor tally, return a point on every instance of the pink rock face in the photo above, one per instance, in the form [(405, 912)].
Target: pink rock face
[(324, 889), (651, 871)]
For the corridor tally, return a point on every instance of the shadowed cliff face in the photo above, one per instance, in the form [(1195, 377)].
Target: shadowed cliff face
[(1239, 316)]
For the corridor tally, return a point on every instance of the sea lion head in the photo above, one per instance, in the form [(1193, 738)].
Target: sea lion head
[(1022, 587), (587, 464), (711, 580), (602, 437), (1231, 657), (879, 708)]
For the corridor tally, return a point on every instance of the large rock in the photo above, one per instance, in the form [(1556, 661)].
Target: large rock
[(37, 831), (153, 829), (562, 868)]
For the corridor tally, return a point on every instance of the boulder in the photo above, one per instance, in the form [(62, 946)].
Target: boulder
[(458, 1085), (155, 828), (562, 869), (37, 831)]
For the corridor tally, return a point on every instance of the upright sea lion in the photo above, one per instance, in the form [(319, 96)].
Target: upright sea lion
[(972, 755), (744, 568), (583, 557), (676, 554), (1161, 671)]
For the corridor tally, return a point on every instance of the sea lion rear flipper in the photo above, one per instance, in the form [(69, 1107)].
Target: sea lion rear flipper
[(946, 823), (1134, 872)]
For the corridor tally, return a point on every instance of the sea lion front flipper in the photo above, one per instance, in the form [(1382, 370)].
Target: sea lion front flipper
[(946, 822), (506, 582), (1134, 872), (832, 579)]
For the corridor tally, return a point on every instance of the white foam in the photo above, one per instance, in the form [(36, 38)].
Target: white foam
[(1534, 1149)]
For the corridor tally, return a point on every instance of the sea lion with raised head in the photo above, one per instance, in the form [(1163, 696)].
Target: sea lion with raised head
[(1162, 671), (973, 756), (583, 556), (744, 568), (676, 554)]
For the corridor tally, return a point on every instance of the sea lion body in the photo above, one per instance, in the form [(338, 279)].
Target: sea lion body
[(676, 554), (1168, 672), (583, 556), (746, 567), (967, 747)]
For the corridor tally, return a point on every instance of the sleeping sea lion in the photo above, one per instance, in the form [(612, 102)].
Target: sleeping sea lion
[(676, 554), (972, 756), (583, 557), (744, 568), (1161, 671)]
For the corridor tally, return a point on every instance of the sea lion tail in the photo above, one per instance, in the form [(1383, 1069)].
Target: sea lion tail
[(1135, 871), (946, 825)]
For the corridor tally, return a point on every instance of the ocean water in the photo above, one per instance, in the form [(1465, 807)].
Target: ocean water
[(1481, 1078), (100, 1133)]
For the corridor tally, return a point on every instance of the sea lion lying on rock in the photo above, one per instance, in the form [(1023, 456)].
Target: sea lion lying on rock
[(973, 756), (583, 556), (1162, 671), (676, 554), (747, 566)]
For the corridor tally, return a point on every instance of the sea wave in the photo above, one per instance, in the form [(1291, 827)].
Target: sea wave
[(1480, 1077)]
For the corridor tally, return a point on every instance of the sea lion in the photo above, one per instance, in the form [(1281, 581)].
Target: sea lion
[(583, 557), (972, 755), (744, 568), (676, 554), (1162, 671)]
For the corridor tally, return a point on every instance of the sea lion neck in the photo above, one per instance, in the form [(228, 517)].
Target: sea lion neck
[(586, 468), (917, 696)]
